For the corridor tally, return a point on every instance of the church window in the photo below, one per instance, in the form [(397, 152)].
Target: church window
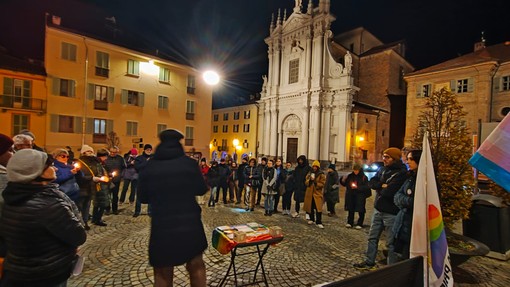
[(293, 71)]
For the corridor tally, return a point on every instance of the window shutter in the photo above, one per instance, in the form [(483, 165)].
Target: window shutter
[(124, 97), (453, 86), (78, 125), (471, 85), (54, 123), (56, 86), (27, 85), (496, 83), (109, 126), (111, 94), (8, 86), (91, 88), (141, 99), (419, 88), (89, 126), (136, 67), (72, 89)]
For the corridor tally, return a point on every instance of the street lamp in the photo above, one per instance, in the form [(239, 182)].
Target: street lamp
[(211, 77)]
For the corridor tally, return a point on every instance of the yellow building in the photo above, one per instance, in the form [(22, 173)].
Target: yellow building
[(481, 81), (234, 132), (102, 94), (23, 97)]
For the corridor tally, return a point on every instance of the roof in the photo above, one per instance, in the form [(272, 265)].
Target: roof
[(12, 63), (384, 47), (497, 53)]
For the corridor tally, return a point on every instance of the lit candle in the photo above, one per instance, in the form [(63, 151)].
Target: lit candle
[(76, 165), (104, 178), (353, 185), (114, 173)]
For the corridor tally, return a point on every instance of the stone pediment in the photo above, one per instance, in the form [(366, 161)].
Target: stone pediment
[(295, 21)]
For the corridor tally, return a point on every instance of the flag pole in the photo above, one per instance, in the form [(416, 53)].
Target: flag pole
[(426, 137)]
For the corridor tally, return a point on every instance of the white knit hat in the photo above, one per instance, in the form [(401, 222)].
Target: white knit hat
[(85, 148), (26, 165)]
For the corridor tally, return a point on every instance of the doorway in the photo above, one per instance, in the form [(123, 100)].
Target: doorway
[(292, 144)]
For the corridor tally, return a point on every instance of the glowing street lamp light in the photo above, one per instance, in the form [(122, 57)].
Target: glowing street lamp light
[(211, 78), (235, 142)]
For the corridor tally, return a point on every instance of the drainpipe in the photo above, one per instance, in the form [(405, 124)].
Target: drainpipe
[(492, 91), (85, 84)]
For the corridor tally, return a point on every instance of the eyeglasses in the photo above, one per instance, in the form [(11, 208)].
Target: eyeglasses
[(63, 156)]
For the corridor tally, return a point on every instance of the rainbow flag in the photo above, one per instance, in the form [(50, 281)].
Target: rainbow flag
[(428, 237), (221, 242), (493, 156)]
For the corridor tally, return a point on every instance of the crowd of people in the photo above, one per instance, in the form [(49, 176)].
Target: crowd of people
[(68, 187)]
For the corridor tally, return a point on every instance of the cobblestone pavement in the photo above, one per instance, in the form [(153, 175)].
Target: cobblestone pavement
[(116, 255)]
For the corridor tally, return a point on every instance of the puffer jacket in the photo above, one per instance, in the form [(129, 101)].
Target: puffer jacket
[(300, 173), (42, 229), (393, 176)]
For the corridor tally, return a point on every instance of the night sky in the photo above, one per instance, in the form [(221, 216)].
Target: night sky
[(228, 35)]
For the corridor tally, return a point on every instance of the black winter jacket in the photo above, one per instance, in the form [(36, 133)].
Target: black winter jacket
[(300, 173), (394, 176), (42, 228)]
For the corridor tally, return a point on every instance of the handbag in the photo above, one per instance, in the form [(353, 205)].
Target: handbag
[(70, 188)]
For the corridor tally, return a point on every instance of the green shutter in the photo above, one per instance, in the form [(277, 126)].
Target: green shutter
[(78, 125), (110, 94), (91, 89), (471, 84), (72, 89), (27, 86), (124, 97), (419, 88), (496, 84), (136, 68), (56, 86), (8, 86), (141, 99), (89, 126), (54, 123), (453, 86), (109, 126)]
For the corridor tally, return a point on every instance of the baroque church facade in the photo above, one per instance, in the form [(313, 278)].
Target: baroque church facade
[(311, 98)]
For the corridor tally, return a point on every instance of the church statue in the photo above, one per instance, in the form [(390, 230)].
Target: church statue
[(348, 63)]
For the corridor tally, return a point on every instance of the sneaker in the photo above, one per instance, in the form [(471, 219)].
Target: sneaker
[(100, 223), (320, 226), (87, 227), (358, 227), (364, 266), (295, 215), (307, 217), (310, 222), (348, 225)]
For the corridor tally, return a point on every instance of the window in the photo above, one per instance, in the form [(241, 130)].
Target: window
[(246, 128), (225, 128), (225, 116), (133, 98), (19, 122), (224, 144), (188, 140), (164, 75), (131, 128), (68, 52), (65, 124), (505, 83), (215, 117), (190, 110), (99, 135), (293, 71), (236, 128), (424, 90), (462, 86), (162, 103), (133, 68), (215, 129), (191, 84), (160, 128), (246, 115), (16, 92), (236, 115), (102, 64), (64, 87)]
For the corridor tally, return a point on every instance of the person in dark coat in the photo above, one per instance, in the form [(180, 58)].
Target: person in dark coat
[(213, 179), (129, 176), (115, 166), (67, 174), (40, 225), (224, 172), (240, 179), (331, 195), (287, 178), (252, 179), (140, 164), (300, 172), (170, 182), (356, 193)]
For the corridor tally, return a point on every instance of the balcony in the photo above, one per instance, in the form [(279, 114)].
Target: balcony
[(22, 103), (100, 105), (99, 138), (188, 142), (190, 116), (191, 90), (102, 72)]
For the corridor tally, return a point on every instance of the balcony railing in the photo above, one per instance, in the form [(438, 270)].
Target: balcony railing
[(190, 116), (100, 105), (191, 90), (102, 72), (188, 142), (99, 138), (22, 103)]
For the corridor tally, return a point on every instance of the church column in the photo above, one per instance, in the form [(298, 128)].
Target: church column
[(267, 128), (344, 143), (308, 66), (313, 149), (303, 144), (260, 129), (326, 133), (274, 129), (277, 64), (270, 71)]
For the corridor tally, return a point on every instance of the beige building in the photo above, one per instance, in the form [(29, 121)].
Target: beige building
[(480, 79), (103, 94), (234, 132), (23, 97)]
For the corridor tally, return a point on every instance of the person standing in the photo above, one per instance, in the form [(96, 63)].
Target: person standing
[(67, 175), (240, 180), (169, 183), (213, 179), (331, 190), (22, 141), (258, 187), (232, 182), (115, 166), (288, 180), (40, 225), (252, 179), (268, 187), (404, 200), (140, 163), (386, 183), (356, 193), (88, 186), (224, 172), (6, 153), (204, 169), (279, 187), (300, 172), (129, 176), (314, 195), (101, 200)]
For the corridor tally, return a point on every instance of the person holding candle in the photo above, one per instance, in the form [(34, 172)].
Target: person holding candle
[(67, 175), (115, 166), (356, 193)]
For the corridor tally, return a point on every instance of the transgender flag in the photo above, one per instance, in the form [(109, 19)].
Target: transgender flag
[(428, 237), (493, 156)]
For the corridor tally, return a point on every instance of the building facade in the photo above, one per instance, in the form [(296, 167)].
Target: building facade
[(480, 80), (104, 94), (234, 132)]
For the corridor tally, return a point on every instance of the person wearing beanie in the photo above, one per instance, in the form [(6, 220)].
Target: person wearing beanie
[(331, 190), (356, 194), (40, 226), (140, 164), (22, 141), (129, 177), (86, 150), (169, 183), (386, 182), (300, 172), (101, 199), (314, 195), (31, 134)]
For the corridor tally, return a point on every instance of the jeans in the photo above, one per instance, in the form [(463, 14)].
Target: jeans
[(212, 197), (125, 186), (269, 203), (84, 207), (381, 221), (232, 191)]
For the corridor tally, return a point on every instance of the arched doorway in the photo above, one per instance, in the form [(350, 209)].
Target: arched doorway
[(291, 135)]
